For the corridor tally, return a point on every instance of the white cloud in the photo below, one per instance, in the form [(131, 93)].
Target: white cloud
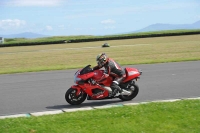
[(108, 24), (109, 27), (108, 21), (198, 16), (61, 27), (8, 24), (48, 28), (78, 29), (33, 2)]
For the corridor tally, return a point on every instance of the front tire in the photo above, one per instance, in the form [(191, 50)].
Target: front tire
[(134, 88), (73, 99)]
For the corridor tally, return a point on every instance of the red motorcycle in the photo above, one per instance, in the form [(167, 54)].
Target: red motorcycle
[(94, 85)]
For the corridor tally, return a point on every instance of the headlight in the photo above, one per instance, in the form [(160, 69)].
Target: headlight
[(76, 79)]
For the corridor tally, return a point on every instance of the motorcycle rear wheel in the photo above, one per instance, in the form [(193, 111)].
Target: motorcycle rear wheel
[(73, 99), (134, 88)]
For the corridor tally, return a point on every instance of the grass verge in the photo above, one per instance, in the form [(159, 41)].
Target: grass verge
[(172, 117), (77, 55)]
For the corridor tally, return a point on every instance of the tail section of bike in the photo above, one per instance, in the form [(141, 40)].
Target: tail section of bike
[(132, 73)]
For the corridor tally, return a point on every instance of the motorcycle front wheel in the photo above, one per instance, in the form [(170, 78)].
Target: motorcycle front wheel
[(134, 89), (73, 99)]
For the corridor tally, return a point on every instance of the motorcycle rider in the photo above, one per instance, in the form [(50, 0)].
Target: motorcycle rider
[(113, 69)]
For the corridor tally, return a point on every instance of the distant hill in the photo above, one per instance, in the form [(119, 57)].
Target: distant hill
[(160, 26), (153, 27), (24, 35)]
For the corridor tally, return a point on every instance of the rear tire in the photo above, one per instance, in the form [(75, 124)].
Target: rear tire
[(73, 99), (134, 88)]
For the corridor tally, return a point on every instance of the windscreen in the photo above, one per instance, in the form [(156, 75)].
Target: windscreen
[(86, 69)]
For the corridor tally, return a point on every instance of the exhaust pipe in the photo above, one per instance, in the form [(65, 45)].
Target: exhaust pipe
[(125, 92)]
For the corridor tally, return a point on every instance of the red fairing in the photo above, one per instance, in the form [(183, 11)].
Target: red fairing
[(98, 75), (102, 78), (107, 81), (86, 76), (131, 73), (91, 87)]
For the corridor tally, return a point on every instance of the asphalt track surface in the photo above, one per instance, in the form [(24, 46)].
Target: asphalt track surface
[(45, 91)]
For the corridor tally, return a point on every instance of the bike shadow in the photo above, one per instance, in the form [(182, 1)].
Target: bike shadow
[(87, 104)]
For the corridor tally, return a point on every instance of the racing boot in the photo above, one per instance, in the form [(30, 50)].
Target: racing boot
[(116, 90)]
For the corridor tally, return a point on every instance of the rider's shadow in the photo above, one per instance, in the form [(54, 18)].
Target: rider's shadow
[(88, 104)]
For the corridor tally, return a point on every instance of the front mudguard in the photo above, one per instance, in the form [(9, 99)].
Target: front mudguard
[(78, 88)]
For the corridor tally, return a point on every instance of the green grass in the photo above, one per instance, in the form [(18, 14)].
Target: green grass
[(77, 55), (44, 39), (172, 117)]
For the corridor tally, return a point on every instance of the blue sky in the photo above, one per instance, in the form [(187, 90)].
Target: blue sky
[(92, 17)]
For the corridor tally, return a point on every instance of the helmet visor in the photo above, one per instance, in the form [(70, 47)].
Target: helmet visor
[(101, 61)]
